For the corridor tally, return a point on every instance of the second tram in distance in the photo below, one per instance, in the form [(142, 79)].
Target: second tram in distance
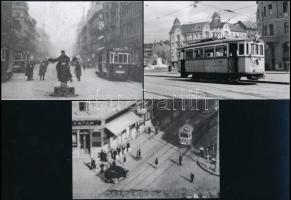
[(228, 59), (114, 64)]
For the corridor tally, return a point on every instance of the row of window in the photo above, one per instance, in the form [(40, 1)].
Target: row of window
[(269, 30), (268, 11), (119, 58), (221, 51)]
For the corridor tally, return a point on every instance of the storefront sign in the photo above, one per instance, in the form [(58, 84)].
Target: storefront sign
[(87, 123)]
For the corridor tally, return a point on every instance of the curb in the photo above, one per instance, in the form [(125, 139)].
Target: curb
[(209, 171)]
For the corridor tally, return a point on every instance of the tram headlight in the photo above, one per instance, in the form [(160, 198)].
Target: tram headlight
[(258, 61)]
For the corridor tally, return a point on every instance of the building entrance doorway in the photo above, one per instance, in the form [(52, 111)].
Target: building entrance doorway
[(85, 142)]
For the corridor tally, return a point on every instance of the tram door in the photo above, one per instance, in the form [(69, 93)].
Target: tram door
[(233, 59), (182, 64)]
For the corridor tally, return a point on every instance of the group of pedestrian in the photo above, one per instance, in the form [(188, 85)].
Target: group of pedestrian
[(103, 156)]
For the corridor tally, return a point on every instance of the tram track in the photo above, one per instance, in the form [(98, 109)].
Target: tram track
[(226, 82), (248, 92)]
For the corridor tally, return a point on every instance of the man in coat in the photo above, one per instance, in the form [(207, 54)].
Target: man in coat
[(63, 67), (77, 68)]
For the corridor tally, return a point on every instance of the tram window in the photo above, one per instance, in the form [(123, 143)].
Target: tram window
[(252, 49), (112, 57), (241, 49), (198, 53), (129, 58), (120, 60), (184, 135), (209, 52), (247, 48), (115, 57), (125, 58), (181, 55), (221, 51), (261, 50), (189, 54), (257, 49)]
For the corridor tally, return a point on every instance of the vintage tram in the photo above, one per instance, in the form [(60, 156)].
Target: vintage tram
[(114, 64), (228, 59), (185, 134)]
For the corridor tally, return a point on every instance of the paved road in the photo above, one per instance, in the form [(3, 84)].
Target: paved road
[(90, 86), (169, 85)]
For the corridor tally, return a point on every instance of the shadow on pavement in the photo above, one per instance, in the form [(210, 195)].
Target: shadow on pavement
[(187, 179)]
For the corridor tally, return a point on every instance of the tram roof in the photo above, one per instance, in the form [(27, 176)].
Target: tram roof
[(186, 128), (218, 41)]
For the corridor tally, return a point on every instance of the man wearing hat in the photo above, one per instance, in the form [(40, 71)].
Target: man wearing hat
[(63, 68)]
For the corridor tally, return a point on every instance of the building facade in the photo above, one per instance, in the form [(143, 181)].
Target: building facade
[(273, 19), (105, 125), (183, 34), (21, 39), (90, 34)]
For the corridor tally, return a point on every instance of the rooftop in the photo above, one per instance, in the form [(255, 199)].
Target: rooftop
[(99, 109)]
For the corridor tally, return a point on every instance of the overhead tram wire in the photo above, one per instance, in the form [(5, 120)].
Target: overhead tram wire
[(159, 17)]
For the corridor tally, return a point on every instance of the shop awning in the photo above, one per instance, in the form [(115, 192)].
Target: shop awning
[(119, 124)]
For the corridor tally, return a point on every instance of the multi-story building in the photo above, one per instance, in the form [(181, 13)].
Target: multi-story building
[(131, 28), (27, 45), (183, 34), (90, 33), (6, 37), (105, 125), (19, 37), (273, 19)]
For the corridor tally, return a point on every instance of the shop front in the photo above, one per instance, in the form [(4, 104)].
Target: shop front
[(123, 129)]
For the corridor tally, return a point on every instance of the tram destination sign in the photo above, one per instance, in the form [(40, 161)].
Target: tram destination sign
[(87, 123)]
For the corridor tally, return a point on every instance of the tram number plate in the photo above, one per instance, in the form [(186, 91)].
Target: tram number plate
[(119, 72)]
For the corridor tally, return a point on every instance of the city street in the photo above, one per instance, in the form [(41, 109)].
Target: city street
[(144, 180), (91, 86), (163, 84)]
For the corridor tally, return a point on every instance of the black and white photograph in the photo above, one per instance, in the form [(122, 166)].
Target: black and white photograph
[(218, 49), (145, 149), (71, 50)]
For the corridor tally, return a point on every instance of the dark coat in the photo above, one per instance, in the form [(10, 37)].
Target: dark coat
[(77, 69), (63, 68)]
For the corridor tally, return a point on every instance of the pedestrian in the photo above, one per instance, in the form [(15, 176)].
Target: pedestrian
[(93, 163), (127, 146), (78, 70), (139, 153), (102, 168), (122, 148), (191, 177), (105, 156), (29, 70), (156, 162), (149, 130), (118, 151), (124, 159), (180, 160), (41, 72), (113, 163)]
